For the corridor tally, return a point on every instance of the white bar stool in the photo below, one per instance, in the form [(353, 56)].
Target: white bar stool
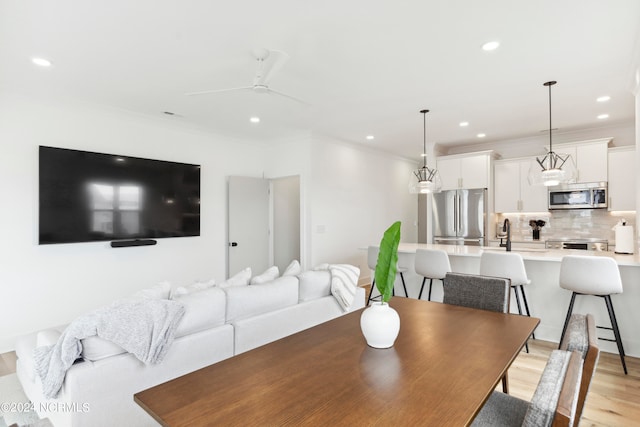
[(598, 276), (372, 260), (511, 266), (431, 264)]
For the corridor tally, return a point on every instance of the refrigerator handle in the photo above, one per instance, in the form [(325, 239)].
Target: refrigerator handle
[(458, 225), (455, 214)]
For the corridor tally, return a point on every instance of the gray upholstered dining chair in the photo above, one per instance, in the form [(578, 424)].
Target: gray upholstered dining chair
[(553, 404), (581, 336), (482, 292), (475, 291)]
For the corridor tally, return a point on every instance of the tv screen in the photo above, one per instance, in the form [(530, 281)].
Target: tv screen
[(88, 197)]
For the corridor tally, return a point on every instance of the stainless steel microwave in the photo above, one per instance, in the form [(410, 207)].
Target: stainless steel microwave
[(592, 195)]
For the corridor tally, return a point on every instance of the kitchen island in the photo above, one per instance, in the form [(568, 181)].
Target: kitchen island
[(547, 300)]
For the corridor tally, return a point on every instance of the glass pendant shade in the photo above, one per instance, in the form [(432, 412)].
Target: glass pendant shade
[(553, 168), (425, 180)]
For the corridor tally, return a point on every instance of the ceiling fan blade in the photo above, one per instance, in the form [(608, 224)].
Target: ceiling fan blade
[(269, 66), (289, 96), (205, 92)]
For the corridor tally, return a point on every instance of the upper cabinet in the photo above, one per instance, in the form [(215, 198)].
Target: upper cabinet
[(590, 158), (465, 170), (512, 192), (622, 179)]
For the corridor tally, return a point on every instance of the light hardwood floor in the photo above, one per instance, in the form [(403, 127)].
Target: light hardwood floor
[(613, 399)]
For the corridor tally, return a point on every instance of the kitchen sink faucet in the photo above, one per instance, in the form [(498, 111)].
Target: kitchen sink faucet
[(506, 227)]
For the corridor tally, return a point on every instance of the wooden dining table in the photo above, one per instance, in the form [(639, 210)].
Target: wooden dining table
[(443, 366)]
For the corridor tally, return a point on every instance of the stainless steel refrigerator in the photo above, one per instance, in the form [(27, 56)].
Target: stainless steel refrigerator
[(460, 217)]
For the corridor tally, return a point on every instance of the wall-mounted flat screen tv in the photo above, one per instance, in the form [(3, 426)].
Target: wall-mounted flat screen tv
[(88, 197)]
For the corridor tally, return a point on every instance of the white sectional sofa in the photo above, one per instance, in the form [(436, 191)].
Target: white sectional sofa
[(218, 323)]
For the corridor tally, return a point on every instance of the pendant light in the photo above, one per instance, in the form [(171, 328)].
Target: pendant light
[(553, 168), (424, 180)]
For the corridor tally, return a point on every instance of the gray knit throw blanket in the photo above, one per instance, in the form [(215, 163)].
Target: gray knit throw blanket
[(143, 327)]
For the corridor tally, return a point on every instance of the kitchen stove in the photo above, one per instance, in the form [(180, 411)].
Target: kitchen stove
[(580, 244)]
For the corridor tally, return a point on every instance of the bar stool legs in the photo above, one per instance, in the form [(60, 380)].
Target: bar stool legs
[(614, 326), (424, 279), (524, 299), (393, 291)]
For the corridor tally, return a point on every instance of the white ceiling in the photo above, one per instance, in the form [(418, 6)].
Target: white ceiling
[(365, 67)]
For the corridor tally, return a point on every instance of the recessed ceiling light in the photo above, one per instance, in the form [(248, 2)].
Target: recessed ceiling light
[(493, 45), (423, 154), (254, 119), (464, 124), (481, 135), (41, 62), (603, 98), (369, 137), (603, 116)]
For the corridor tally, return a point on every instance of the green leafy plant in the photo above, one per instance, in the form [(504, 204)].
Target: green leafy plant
[(387, 264)]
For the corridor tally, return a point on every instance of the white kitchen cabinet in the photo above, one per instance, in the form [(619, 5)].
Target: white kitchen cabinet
[(465, 170), (622, 179), (512, 192), (590, 158)]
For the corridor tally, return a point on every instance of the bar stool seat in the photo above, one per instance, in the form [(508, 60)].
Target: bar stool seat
[(596, 276), (511, 266), (372, 260), (431, 264)]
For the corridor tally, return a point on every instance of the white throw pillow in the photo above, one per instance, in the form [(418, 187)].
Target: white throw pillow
[(293, 269), (160, 291), (239, 279), (269, 275), (47, 337), (194, 287), (321, 267)]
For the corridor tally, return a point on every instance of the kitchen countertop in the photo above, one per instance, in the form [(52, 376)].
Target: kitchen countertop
[(533, 254)]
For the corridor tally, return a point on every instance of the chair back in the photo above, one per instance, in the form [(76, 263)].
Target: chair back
[(581, 336), (372, 257), (483, 292), (432, 263), (590, 275), (555, 400), (504, 264)]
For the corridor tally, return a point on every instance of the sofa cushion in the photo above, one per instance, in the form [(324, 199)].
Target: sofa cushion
[(314, 284), (194, 287), (246, 301), (269, 275), (239, 279), (96, 348), (203, 310), (159, 291), (293, 269)]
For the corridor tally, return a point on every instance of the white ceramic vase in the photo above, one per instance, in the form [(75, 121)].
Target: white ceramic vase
[(380, 325)]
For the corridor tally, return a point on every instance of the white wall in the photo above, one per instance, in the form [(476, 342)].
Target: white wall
[(47, 285), (285, 193), (357, 194), (353, 193)]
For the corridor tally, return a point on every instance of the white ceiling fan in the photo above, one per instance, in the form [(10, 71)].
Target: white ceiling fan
[(269, 61)]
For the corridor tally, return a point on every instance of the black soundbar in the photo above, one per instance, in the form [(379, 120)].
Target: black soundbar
[(136, 242)]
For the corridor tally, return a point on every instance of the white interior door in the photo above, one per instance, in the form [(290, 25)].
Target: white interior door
[(248, 230)]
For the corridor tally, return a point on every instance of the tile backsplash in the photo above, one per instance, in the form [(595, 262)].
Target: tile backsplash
[(573, 224)]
